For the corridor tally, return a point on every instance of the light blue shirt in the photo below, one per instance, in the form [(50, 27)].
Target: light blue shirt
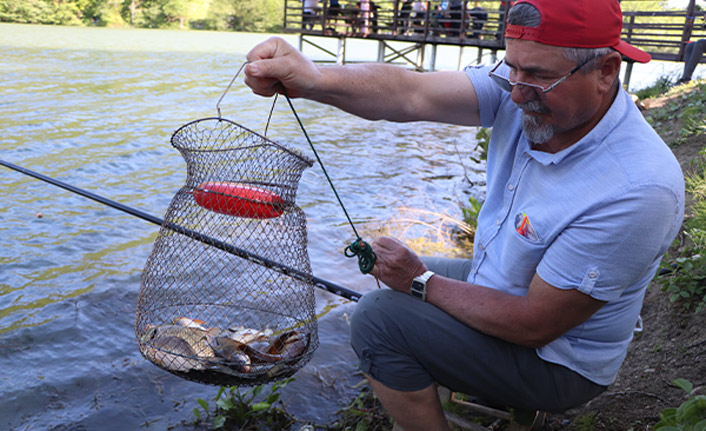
[(596, 217)]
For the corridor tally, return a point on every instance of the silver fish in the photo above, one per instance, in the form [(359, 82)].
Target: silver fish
[(290, 345), (245, 335), (284, 348), (172, 353), (197, 339), (233, 352), (190, 323)]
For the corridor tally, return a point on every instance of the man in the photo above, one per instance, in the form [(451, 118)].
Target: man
[(583, 199)]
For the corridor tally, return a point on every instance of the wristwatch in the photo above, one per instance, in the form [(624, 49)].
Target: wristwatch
[(419, 286)]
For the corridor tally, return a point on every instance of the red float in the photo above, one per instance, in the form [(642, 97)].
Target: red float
[(240, 200)]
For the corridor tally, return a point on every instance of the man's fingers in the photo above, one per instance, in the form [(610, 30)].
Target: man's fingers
[(385, 243), (264, 68), (268, 66), (266, 49), (275, 66), (263, 87)]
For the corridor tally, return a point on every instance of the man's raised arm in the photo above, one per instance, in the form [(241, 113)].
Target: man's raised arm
[(373, 91)]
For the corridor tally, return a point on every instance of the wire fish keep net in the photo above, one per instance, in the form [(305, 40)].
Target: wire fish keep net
[(226, 296)]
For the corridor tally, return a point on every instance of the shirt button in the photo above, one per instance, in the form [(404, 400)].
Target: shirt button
[(592, 274), (511, 187), (497, 222)]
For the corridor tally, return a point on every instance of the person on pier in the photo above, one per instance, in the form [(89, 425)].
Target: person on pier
[(693, 51), (309, 10)]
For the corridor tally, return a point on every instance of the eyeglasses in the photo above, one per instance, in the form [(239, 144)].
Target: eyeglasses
[(507, 85)]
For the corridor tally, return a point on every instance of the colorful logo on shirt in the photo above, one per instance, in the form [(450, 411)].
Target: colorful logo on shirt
[(523, 226)]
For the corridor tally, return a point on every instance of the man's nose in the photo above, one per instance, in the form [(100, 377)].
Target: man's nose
[(521, 94)]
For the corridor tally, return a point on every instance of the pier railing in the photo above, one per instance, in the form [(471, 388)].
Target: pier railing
[(663, 34), (440, 22)]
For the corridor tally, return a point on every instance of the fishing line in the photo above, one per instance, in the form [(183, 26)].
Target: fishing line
[(361, 249), (229, 248)]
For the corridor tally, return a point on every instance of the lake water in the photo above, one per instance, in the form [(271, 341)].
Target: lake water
[(95, 108)]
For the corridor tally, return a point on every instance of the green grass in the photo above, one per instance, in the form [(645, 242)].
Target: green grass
[(661, 86), (685, 278)]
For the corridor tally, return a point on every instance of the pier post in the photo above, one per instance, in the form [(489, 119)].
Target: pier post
[(432, 66), (626, 77), (341, 51), (420, 56)]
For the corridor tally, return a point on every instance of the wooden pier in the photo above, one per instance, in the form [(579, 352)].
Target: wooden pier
[(407, 30)]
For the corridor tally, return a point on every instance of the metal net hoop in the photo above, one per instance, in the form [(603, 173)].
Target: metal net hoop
[(214, 316)]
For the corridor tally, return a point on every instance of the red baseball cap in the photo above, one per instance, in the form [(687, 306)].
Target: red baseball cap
[(578, 24)]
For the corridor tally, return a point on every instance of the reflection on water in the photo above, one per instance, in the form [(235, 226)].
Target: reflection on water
[(96, 108)]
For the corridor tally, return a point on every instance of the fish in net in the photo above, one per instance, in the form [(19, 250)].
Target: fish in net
[(226, 295)]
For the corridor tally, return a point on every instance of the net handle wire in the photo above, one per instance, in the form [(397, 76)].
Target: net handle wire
[(229, 248), (218, 104)]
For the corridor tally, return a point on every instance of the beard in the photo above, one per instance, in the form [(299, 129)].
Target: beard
[(536, 130)]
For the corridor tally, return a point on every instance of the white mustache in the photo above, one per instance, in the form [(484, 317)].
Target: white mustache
[(534, 106)]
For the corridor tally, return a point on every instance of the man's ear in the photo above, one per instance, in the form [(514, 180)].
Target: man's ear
[(608, 68)]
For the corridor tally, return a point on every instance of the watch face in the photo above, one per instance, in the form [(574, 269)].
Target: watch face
[(417, 290)]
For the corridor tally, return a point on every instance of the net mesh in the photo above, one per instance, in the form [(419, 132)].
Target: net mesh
[(212, 305)]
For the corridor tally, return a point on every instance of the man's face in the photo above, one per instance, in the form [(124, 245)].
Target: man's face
[(564, 114)]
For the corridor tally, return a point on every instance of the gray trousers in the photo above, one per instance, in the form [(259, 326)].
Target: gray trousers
[(692, 56), (408, 345)]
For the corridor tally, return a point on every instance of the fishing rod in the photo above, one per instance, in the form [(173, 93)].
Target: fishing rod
[(229, 248)]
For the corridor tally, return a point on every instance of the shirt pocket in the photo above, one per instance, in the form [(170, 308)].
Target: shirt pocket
[(520, 256)]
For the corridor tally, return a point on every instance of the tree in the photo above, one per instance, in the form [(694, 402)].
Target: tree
[(247, 15), (40, 12), (175, 11)]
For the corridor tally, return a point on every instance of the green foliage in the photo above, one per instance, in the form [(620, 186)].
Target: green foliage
[(689, 416), (686, 283), (251, 410), (238, 15), (365, 413), (585, 422), (243, 15), (483, 138), (661, 86), (108, 13), (685, 278), (470, 214), (655, 5), (692, 115), (40, 12), (693, 122)]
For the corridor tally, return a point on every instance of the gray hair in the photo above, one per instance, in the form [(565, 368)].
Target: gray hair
[(526, 15)]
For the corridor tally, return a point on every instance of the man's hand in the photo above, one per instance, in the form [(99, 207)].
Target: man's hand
[(396, 265), (275, 66)]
